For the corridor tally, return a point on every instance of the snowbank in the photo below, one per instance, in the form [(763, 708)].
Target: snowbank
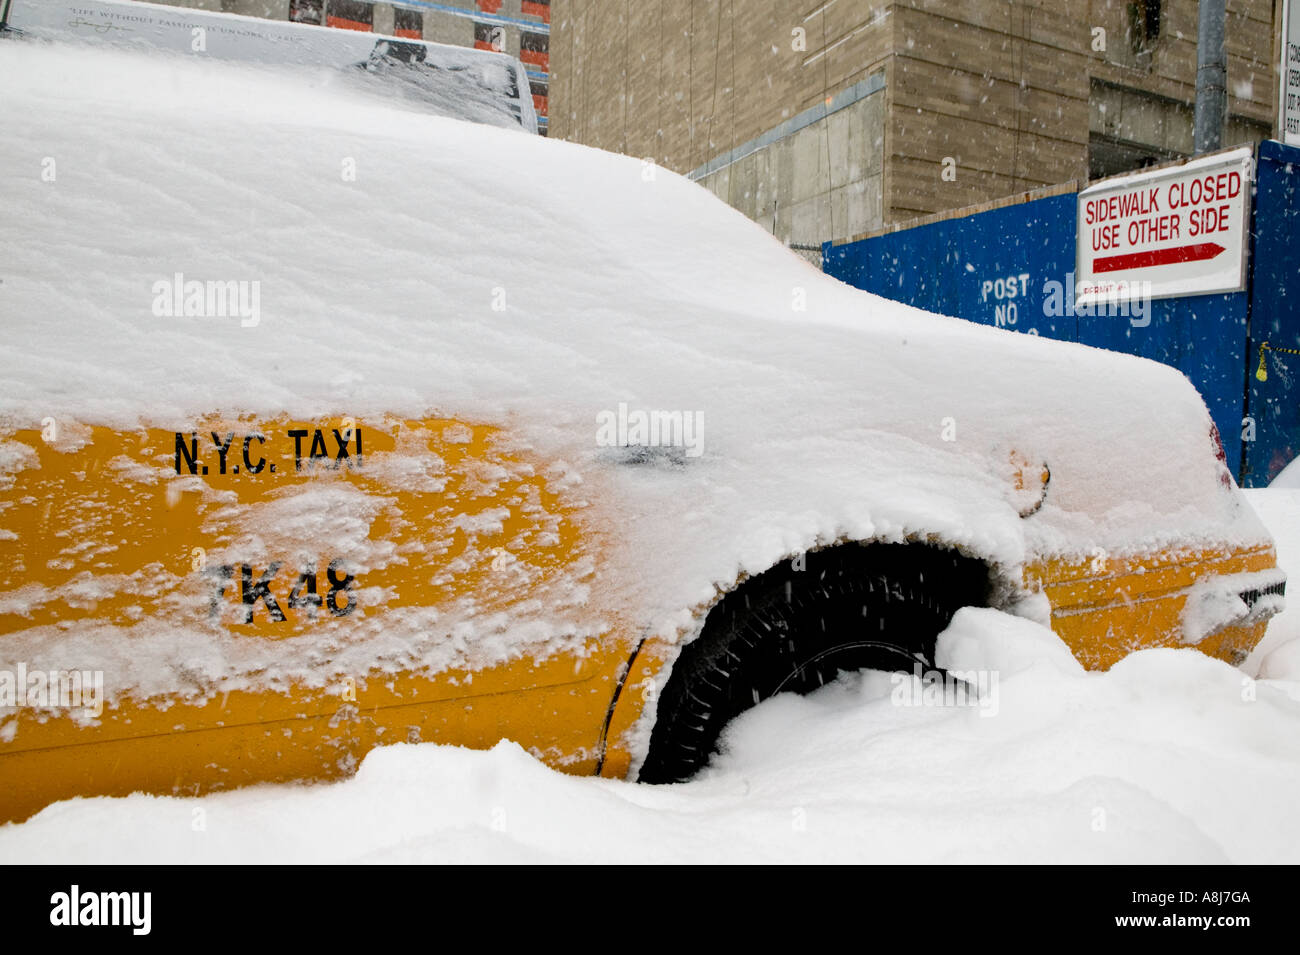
[(1169, 757)]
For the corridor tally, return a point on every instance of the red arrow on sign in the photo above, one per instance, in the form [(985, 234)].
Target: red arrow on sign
[(1143, 260)]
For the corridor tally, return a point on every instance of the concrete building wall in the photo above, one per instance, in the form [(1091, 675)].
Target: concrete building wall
[(449, 28), (1167, 67), (986, 100), (684, 81), (825, 179), (982, 98), (1025, 95)]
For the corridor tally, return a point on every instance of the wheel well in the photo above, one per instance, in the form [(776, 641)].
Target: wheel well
[(950, 579), (795, 625), (966, 581)]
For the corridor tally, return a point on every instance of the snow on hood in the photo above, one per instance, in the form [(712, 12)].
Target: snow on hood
[(472, 272)]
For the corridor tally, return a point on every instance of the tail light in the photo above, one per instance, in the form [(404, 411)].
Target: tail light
[(1225, 473)]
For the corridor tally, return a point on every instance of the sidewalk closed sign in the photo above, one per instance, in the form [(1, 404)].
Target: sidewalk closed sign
[(1175, 231)]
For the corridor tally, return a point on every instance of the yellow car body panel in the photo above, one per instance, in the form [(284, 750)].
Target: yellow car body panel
[(92, 504), (137, 512), (1105, 608)]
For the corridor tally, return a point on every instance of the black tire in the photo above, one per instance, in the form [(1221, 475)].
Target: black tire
[(851, 608)]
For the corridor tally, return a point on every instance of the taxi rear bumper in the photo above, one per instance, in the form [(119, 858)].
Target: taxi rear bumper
[(1218, 601)]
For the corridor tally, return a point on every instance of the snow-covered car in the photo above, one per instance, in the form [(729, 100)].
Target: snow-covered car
[(478, 85), (324, 428)]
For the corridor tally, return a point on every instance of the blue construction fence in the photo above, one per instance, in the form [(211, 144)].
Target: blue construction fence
[(1013, 267)]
